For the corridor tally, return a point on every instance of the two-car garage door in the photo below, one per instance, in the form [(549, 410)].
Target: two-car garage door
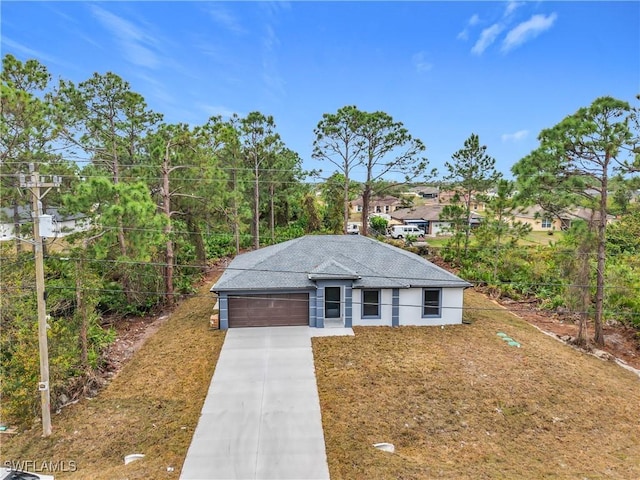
[(269, 310)]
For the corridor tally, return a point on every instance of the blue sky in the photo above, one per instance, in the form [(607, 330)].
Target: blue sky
[(503, 70)]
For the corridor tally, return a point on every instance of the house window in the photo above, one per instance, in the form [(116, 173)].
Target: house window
[(546, 223), (371, 304), (431, 302), (386, 209), (378, 210), (358, 208)]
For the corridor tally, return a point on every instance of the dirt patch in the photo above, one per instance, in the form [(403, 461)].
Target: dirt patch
[(620, 342), (131, 333)]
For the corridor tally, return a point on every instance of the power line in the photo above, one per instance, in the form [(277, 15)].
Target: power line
[(292, 300)]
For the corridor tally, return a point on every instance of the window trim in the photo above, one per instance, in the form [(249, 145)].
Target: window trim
[(439, 306), (378, 304), (546, 223)]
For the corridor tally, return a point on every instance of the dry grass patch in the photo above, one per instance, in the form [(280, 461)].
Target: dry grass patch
[(151, 407), (460, 403)]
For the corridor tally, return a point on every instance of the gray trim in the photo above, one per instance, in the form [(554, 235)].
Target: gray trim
[(348, 306), (223, 305), (312, 308), (346, 298), (370, 317), (320, 307), (439, 290), (395, 307)]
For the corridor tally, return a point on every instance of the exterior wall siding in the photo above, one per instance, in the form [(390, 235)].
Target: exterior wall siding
[(536, 224), (223, 304), (395, 307), (312, 309), (386, 310), (411, 307), (439, 228), (398, 307)]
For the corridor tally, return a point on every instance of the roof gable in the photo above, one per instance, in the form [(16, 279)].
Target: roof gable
[(330, 269)]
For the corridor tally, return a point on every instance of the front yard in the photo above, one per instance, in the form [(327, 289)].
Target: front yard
[(459, 403), (456, 402)]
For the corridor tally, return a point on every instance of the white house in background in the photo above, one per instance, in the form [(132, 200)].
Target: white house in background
[(427, 217), (337, 280), (62, 225)]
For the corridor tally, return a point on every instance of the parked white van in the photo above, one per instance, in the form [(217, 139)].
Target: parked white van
[(353, 228), (401, 231)]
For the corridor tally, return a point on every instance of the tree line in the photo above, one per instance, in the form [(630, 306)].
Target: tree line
[(162, 200)]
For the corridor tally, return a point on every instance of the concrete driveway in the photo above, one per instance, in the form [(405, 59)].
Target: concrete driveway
[(261, 418)]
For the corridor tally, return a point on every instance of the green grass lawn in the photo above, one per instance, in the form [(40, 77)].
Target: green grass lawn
[(542, 238)]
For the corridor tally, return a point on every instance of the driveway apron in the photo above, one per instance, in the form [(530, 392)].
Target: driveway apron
[(261, 418)]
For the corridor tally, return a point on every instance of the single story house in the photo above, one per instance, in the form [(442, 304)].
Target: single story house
[(424, 191), (336, 280), (427, 217), (539, 220), (386, 204), (62, 225)]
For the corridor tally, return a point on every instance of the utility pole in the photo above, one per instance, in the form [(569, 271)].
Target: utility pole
[(34, 184)]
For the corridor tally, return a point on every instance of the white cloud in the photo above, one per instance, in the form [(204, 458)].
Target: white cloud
[(214, 110), (528, 30), (515, 137), (134, 41), (45, 58), (420, 62), (511, 7), (487, 37), (224, 18), (474, 20)]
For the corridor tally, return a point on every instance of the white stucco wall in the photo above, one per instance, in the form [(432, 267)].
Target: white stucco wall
[(411, 307), (385, 310), (439, 228), (6, 231), (410, 311)]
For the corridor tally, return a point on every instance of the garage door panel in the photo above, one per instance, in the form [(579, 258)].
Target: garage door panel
[(269, 310)]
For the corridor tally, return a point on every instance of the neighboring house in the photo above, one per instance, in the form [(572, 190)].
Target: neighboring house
[(423, 191), (338, 280), (541, 221), (62, 225), (427, 217), (385, 204), (477, 201)]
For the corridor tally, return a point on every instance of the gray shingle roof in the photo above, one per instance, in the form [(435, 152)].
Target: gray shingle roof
[(294, 265)]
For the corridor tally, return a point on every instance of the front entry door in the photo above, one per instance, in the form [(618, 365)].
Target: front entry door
[(332, 302)]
